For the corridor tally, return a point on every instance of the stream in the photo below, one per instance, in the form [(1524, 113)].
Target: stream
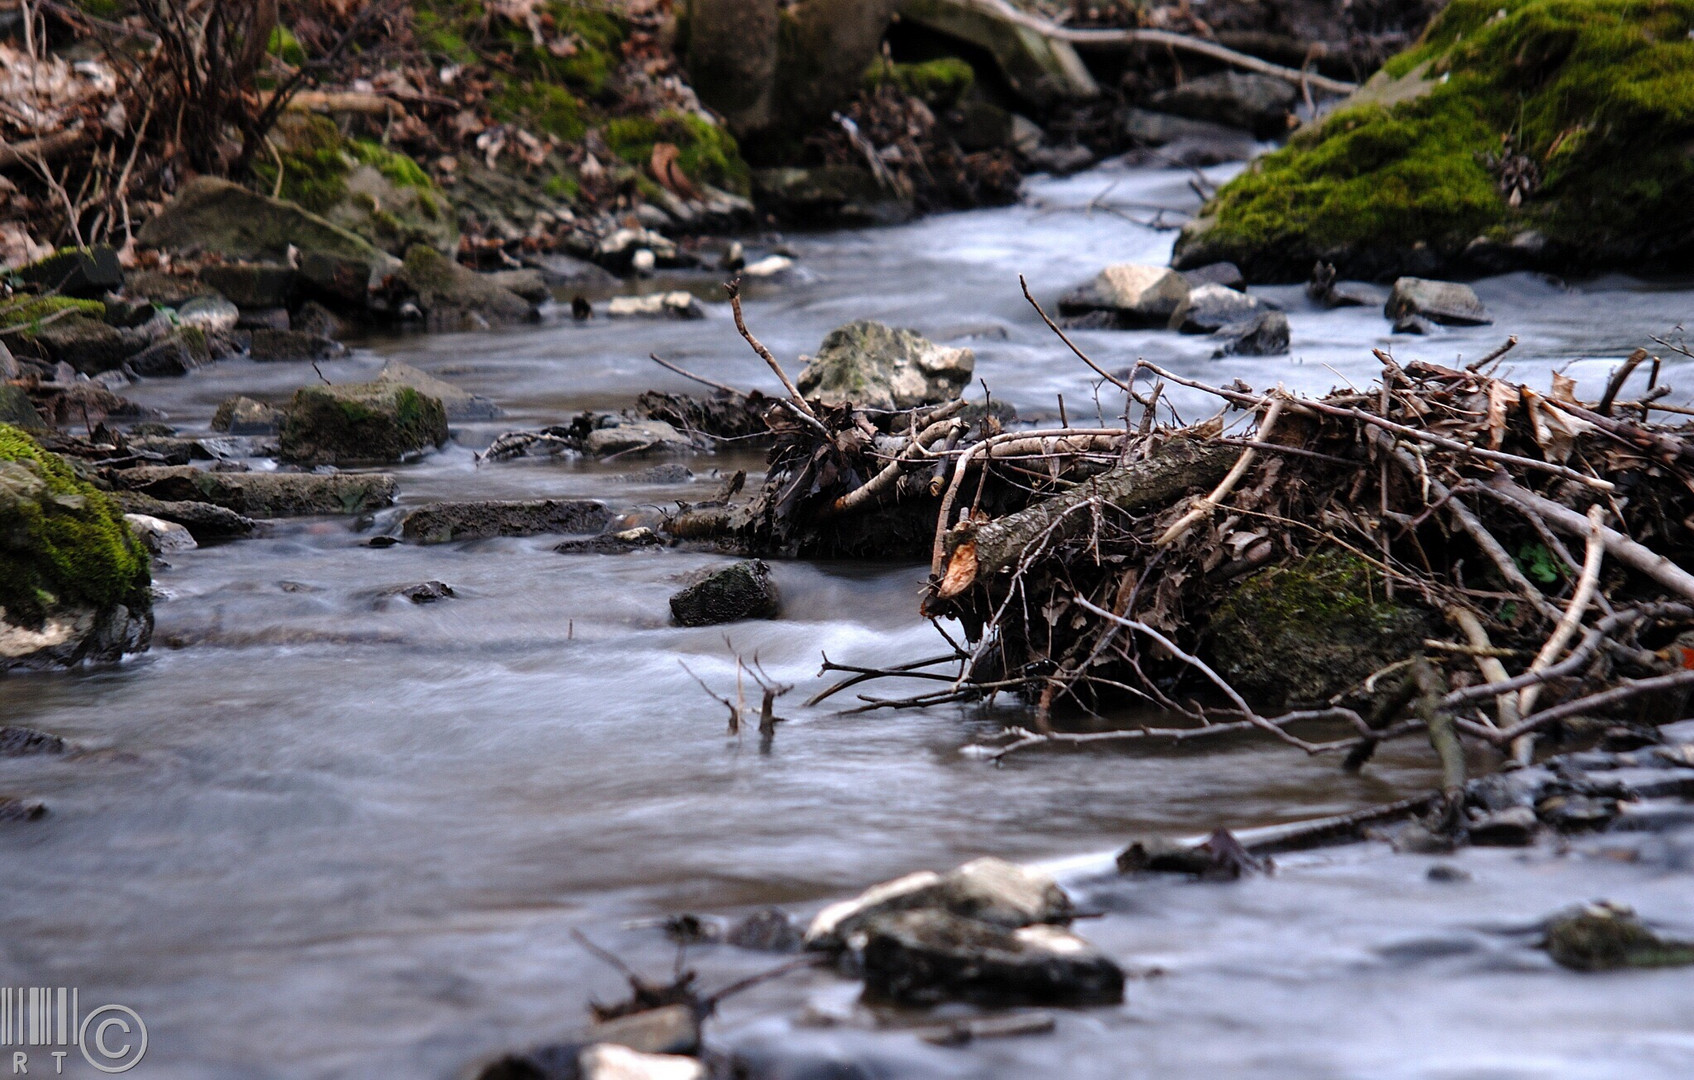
[(321, 832)]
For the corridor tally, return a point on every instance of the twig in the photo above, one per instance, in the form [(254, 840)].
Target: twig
[(1208, 503), (702, 380), (803, 410)]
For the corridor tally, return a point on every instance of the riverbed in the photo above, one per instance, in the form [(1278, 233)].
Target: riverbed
[(322, 832)]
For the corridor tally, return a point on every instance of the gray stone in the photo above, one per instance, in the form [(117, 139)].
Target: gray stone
[(829, 195), (460, 404), (204, 521), (1136, 296), (86, 344), (159, 536), (253, 285), (1266, 334), (1414, 324), (17, 409), (617, 543), (446, 522), (360, 424), (209, 314), (244, 416), (988, 890), (27, 742), (1187, 142), (180, 351), (526, 283), (1209, 308), (260, 494), (927, 957), (1445, 302), (274, 346), (872, 366), (456, 298), (1258, 103), (633, 436), (572, 273), (1514, 827), (728, 594), (1219, 273)]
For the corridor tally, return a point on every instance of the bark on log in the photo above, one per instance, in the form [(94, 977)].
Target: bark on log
[(998, 545)]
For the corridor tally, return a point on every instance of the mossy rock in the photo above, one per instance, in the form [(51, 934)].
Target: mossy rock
[(84, 272), (360, 424), (455, 297), (56, 328), (706, 152), (872, 366), (1403, 179), (940, 84), (73, 578), (214, 215), (1605, 936), (1309, 630)]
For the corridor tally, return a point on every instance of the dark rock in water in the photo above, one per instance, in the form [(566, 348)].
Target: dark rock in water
[(273, 346), (460, 404), (1220, 857), (313, 318), (17, 409), (253, 285), (1515, 827), (1447, 874), (618, 543), (1264, 335), (989, 890), (1209, 308), (574, 273), (259, 494), (1445, 302), (446, 522), (1572, 813), (14, 809), (1258, 103), (244, 416), (770, 930), (873, 366), (829, 195), (1137, 296), (669, 473), (204, 521), (1323, 288), (361, 424), (1220, 273), (927, 957), (731, 593), (177, 353), (22, 742), (1415, 325), (426, 592), (526, 283), (82, 272), (85, 343), (1311, 629), (383, 542), (1607, 936)]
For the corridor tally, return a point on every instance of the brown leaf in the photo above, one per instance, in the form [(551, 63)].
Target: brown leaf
[(668, 172)]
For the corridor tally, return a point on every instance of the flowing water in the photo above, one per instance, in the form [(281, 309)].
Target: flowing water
[(322, 832)]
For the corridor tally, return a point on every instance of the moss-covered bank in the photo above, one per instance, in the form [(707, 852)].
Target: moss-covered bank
[(1549, 133)]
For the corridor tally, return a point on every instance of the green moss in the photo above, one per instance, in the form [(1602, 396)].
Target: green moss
[(706, 151), (460, 31), (562, 186), (544, 106), (400, 169), (1595, 92), (61, 540), (940, 84), (315, 162), (285, 46), (30, 310)]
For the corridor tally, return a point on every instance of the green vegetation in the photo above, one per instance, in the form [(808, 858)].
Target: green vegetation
[(460, 32), (546, 107), (705, 151), (1594, 93), (61, 540), (940, 84), (31, 310), (315, 163), (285, 46)]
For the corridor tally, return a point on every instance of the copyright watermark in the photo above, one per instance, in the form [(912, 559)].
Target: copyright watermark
[(40, 1027)]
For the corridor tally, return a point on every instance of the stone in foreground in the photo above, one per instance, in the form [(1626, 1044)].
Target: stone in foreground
[(988, 890), (1135, 296), (872, 366), (928, 957), (372, 423), (742, 591), (444, 523), (1446, 302)]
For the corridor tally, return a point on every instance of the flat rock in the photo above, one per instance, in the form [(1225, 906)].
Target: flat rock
[(633, 436), (260, 494), (1211, 307), (1218, 273), (446, 522), (1136, 296), (873, 366), (1446, 302), (460, 403), (361, 424), (617, 543), (253, 285), (204, 521), (1264, 335), (24, 742), (728, 594), (1258, 103), (927, 957), (1514, 827)]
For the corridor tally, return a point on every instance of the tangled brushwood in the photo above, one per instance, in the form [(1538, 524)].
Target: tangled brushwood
[(1447, 553)]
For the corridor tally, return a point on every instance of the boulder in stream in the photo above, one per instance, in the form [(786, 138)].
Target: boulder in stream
[(361, 424), (1266, 334), (1606, 936), (992, 891), (1133, 295), (873, 366), (743, 590), (1211, 307), (74, 579), (1446, 302), (204, 521), (446, 522), (159, 536), (460, 403), (244, 416), (928, 956), (456, 298)]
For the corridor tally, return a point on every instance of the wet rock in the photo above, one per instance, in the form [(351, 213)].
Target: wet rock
[(729, 594), (17, 409), (166, 288), (573, 273), (670, 472), (1576, 813), (770, 930), (360, 424), (1266, 334), (260, 494), (671, 305), (25, 742), (279, 346), (1515, 827), (631, 436), (1414, 325), (1184, 142), (1220, 857), (1209, 308), (447, 522), (1447, 874), (74, 582), (209, 314), (177, 353), (1258, 103), (263, 285), (617, 543), (873, 366), (1221, 273), (526, 283), (608, 1061), (988, 890), (15, 809), (159, 536), (87, 344), (315, 319), (1135, 296), (828, 196), (87, 273), (1606, 936), (460, 404), (1444, 302), (244, 416), (455, 298), (204, 521), (426, 592), (926, 957)]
